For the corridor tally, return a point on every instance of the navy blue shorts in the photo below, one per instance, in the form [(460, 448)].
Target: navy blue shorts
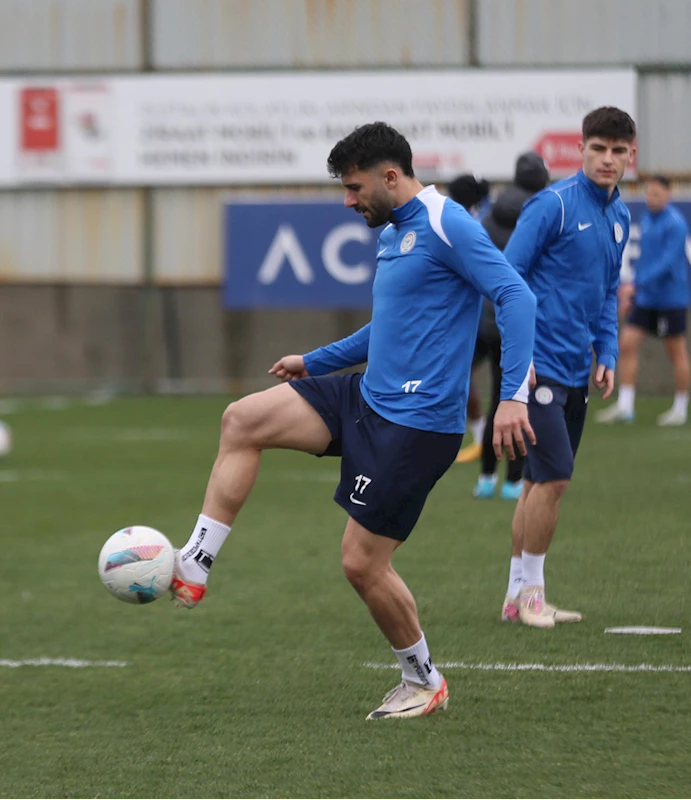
[(557, 415), (387, 470), (661, 322)]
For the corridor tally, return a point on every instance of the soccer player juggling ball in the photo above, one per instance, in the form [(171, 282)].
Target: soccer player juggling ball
[(397, 427)]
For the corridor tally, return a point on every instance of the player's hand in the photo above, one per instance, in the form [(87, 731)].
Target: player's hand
[(532, 377), (289, 367), (604, 379), (510, 423)]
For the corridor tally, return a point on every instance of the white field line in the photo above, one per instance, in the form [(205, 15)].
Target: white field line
[(537, 667), (15, 476), (75, 663)]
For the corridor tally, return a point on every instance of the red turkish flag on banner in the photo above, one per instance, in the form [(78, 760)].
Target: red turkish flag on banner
[(39, 120)]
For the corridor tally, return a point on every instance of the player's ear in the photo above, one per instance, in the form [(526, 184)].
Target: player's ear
[(390, 178)]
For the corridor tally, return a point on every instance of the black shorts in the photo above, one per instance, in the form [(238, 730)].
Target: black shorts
[(661, 322), (387, 470), (557, 415)]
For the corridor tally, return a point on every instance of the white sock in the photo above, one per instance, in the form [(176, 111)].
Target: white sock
[(197, 556), (681, 403), (416, 664), (626, 399), (491, 478), (533, 569), (515, 577), (477, 428)]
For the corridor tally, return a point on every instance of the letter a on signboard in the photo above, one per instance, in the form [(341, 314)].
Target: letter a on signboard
[(285, 247)]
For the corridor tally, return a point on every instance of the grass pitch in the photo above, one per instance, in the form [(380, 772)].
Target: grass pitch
[(262, 690)]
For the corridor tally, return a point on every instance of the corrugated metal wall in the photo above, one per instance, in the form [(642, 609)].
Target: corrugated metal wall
[(87, 236), (560, 32), (212, 34), (664, 113), (70, 35)]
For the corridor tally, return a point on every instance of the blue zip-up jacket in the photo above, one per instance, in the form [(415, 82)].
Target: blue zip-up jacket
[(662, 270), (433, 263), (568, 245)]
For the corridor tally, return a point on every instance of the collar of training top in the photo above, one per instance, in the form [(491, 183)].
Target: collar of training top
[(409, 209), (599, 195)]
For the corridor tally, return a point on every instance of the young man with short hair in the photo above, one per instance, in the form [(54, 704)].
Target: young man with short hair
[(660, 303), (398, 427), (568, 246)]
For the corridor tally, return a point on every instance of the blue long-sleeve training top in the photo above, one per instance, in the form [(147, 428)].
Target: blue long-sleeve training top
[(662, 271), (568, 246), (434, 261)]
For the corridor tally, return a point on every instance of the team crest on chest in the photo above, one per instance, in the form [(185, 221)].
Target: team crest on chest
[(408, 242), (618, 233)]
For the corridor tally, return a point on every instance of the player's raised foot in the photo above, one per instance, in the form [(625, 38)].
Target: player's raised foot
[(185, 594), (509, 611), (485, 487), (511, 490), (532, 608), (412, 700), (469, 453), (562, 616), (613, 414), (671, 418)]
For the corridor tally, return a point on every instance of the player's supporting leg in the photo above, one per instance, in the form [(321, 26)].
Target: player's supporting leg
[(678, 354), (629, 345), (276, 418), (366, 559)]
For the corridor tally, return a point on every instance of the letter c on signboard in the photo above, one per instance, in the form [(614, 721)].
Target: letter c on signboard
[(331, 253)]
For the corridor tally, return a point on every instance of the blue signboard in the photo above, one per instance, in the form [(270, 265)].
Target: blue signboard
[(321, 254), (310, 255)]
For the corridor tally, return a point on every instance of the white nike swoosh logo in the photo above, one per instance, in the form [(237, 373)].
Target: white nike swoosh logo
[(583, 225), (357, 502), (381, 252)]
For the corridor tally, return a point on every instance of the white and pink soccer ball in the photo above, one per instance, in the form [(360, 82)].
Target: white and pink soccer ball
[(136, 564)]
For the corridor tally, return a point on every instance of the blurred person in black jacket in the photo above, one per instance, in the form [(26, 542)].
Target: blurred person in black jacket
[(531, 176), (471, 192)]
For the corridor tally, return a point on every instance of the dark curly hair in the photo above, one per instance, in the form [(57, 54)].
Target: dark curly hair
[(609, 122), (368, 145)]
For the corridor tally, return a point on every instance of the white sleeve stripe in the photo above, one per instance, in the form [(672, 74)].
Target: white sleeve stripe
[(434, 203), (522, 393), (563, 212)]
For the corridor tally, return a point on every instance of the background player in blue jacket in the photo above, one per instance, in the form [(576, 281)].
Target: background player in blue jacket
[(398, 427), (568, 245), (660, 303)]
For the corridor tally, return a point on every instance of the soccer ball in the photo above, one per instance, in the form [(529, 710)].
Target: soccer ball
[(5, 439), (136, 564)]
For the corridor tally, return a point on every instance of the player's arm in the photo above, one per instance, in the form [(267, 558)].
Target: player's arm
[(347, 352), (606, 344), (471, 253), (540, 223), (670, 257)]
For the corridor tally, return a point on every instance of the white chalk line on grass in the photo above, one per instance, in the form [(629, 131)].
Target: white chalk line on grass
[(15, 476), (545, 667), (74, 663)]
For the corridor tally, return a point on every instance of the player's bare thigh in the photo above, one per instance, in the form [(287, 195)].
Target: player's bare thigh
[(276, 418)]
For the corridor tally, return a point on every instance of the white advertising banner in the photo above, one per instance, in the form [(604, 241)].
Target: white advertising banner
[(278, 128)]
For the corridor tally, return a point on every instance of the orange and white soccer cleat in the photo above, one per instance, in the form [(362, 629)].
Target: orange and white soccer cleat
[(412, 700)]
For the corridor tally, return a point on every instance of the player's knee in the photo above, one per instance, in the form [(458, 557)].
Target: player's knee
[(238, 424), (555, 489), (357, 569)]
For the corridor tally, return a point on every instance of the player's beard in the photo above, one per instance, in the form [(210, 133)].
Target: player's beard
[(380, 208)]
